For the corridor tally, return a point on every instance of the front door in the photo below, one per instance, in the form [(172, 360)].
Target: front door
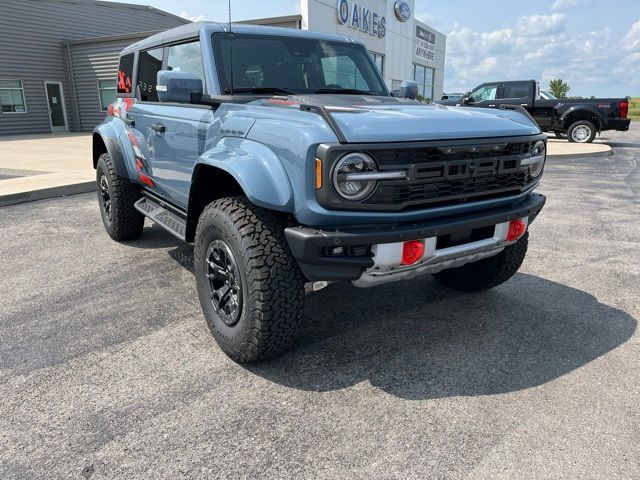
[(56, 107)]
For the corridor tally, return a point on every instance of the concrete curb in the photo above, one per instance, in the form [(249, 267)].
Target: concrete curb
[(581, 155), (45, 193)]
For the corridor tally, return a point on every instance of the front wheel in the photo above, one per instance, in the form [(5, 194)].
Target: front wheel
[(486, 273), (582, 131), (250, 286)]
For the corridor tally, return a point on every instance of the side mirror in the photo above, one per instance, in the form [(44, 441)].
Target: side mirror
[(466, 100), (177, 87), (408, 89)]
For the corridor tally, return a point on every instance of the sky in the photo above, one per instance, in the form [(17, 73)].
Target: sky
[(594, 45)]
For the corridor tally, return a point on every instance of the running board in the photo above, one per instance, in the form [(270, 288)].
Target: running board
[(158, 213)]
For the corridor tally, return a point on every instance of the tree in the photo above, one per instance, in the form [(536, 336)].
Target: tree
[(559, 88)]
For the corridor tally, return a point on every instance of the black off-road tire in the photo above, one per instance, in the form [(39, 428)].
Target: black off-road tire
[(124, 221), (272, 284), (487, 273), (582, 124)]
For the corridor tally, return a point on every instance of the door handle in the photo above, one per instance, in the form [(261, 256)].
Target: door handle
[(158, 127)]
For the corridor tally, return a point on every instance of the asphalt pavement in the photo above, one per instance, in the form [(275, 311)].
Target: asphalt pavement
[(107, 369)]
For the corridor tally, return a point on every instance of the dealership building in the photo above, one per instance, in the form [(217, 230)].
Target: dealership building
[(402, 47), (58, 58)]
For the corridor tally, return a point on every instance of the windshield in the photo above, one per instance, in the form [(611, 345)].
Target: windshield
[(280, 64)]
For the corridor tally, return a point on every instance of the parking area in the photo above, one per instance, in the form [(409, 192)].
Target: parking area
[(107, 369)]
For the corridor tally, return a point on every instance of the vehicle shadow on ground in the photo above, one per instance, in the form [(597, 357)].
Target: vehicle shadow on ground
[(418, 340)]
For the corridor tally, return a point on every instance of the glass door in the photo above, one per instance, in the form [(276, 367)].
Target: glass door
[(57, 114)]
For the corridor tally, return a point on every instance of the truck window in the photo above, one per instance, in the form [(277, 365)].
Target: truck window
[(302, 65), (125, 74), (186, 58), (515, 90), (149, 65), (486, 92)]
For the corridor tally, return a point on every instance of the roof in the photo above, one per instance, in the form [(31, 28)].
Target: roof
[(146, 8), (192, 30)]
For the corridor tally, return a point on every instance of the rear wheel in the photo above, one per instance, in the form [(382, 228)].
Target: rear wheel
[(250, 287), (116, 196), (582, 131), (487, 273)]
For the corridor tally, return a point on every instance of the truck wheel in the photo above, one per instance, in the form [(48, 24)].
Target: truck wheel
[(561, 135), (116, 196), (250, 286), (487, 273), (582, 131)]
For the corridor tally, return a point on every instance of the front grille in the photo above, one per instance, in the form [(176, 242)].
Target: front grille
[(462, 190), (437, 173)]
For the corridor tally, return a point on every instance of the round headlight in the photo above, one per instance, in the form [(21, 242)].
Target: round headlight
[(345, 176), (536, 163)]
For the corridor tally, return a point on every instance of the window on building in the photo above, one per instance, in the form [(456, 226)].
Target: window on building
[(107, 93), (424, 77), (378, 59), (186, 58), (125, 74), (149, 64), (12, 97)]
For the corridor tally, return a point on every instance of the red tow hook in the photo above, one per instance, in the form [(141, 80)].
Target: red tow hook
[(516, 230), (412, 251)]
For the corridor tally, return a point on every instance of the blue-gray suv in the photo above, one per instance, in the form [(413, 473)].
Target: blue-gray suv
[(282, 156)]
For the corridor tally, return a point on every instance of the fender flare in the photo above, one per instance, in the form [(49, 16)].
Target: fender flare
[(581, 108), (109, 137), (255, 167)]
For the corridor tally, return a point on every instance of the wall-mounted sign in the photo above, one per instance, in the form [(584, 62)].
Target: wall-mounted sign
[(361, 18), (425, 44), (402, 10)]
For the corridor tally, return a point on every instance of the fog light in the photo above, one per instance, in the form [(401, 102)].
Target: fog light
[(516, 230), (412, 251), (336, 251)]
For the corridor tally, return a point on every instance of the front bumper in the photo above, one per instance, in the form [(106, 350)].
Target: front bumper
[(310, 246)]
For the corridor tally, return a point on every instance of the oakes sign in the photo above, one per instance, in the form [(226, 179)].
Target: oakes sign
[(361, 18)]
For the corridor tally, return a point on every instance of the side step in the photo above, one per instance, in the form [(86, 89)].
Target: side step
[(160, 214)]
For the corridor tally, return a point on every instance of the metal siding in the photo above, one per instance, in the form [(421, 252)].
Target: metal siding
[(90, 63), (32, 33)]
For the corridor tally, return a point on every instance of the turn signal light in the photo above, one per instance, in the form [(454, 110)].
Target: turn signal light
[(516, 230), (412, 251), (318, 171)]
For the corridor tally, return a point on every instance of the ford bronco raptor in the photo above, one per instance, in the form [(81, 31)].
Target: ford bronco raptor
[(282, 157)]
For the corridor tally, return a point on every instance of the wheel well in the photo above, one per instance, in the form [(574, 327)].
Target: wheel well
[(581, 115), (208, 184), (98, 148)]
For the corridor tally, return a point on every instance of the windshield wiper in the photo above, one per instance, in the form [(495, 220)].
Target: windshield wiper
[(346, 91), (259, 90)]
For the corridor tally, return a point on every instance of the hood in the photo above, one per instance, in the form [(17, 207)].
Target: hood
[(366, 118)]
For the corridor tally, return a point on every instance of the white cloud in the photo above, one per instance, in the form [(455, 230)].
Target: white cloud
[(538, 25), (193, 18), (631, 41), (563, 5)]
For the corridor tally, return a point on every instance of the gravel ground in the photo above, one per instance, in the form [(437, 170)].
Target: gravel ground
[(107, 369)]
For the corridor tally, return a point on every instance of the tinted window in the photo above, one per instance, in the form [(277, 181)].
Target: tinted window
[(149, 65), (107, 93), (186, 58), (487, 92), (515, 90), (125, 74), (298, 64)]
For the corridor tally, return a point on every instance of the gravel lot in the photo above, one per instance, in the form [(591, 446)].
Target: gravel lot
[(107, 369)]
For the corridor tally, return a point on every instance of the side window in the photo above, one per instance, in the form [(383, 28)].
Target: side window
[(149, 65), (486, 92), (186, 58), (125, 74), (515, 90)]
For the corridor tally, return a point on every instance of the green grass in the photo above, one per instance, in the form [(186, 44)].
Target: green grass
[(634, 108)]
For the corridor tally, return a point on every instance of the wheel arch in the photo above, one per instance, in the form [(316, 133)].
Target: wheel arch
[(105, 140), (575, 114)]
